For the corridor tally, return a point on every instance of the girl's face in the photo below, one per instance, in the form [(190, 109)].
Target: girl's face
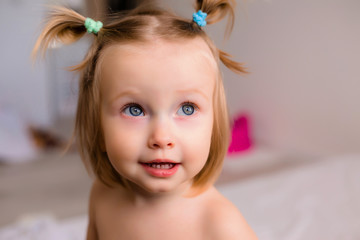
[(157, 111)]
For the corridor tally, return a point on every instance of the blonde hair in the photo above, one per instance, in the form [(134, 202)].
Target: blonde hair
[(140, 25)]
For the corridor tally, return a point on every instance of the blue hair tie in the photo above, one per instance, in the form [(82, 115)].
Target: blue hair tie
[(199, 18), (92, 26)]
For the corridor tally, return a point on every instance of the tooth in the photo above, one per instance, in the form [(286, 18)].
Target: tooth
[(158, 166), (167, 166), (153, 165)]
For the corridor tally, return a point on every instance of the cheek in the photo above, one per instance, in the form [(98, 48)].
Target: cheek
[(198, 139), (203, 129), (121, 142), (201, 145), (122, 150)]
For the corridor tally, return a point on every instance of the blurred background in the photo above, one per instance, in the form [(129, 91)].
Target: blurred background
[(300, 102)]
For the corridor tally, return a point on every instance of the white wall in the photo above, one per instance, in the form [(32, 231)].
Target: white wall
[(22, 88), (27, 89), (303, 93)]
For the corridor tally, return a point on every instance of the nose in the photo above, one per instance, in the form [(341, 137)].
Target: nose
[(160, 137)]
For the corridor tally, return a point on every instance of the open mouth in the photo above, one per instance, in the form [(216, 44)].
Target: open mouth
[(163, 165), (161, 169)]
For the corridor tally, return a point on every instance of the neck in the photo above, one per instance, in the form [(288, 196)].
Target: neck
[(139, 197)]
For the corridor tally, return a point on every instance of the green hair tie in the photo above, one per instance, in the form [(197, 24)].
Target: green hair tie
[(92, 26)]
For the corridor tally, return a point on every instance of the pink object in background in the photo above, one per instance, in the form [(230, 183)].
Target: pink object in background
[(240, 135)]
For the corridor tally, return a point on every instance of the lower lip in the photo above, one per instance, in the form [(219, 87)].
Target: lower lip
[(161, 172)]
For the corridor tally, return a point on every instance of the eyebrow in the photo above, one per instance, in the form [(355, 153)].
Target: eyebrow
[(194, 90), (124, 93), (133, 92)]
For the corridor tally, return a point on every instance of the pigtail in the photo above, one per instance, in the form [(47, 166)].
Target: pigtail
[(234, 66), (63, 25), (216, 10)]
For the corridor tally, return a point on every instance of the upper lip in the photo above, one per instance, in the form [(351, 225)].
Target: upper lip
[(160, 161)]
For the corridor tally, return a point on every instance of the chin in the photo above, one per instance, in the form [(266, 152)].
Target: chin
[(159, 188), (162, 186)]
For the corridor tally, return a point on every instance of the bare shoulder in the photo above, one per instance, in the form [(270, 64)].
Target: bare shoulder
[(103, 194), (224, 220), (98, 189), (97, 193)]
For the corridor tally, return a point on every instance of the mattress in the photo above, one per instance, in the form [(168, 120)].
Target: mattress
[(317, 200)]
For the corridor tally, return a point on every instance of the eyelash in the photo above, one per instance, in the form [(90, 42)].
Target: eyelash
[(191, 104), (133, 104), (183, 113)]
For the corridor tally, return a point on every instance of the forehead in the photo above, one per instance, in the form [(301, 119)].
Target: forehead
[(162, 62), (196, 48)]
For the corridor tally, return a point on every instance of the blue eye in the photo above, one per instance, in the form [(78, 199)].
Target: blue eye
[(133, 110), (186, 109)]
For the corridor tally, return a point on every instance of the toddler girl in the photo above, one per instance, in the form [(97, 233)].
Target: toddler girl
[(152, 122)]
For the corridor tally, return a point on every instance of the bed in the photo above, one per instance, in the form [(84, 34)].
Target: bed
[(313, 201), (317, 199)]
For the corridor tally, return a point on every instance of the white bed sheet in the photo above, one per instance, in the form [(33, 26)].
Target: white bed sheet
[(314, 201)]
